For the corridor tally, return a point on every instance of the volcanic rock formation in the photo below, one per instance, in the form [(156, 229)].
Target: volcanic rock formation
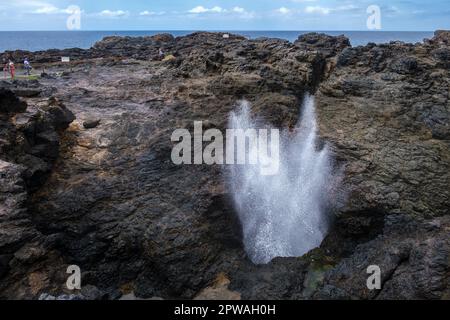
[(108, 198)]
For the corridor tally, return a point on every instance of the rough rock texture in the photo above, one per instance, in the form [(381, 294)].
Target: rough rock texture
[(329, 46), (121, 209), (9, 103), (134, 222), (219, 291), (29, 145), (413, 256), (143, 48), (386, 110)]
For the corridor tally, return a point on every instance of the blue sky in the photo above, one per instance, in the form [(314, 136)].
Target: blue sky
[(408, 15)]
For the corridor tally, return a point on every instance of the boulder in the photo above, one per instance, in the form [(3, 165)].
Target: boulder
[(57, 115), (90, 124)]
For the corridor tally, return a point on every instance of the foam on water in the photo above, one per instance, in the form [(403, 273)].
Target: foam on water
[(286, 214)]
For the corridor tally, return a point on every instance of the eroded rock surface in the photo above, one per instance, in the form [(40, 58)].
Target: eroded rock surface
[(29, 146), (115, 204), (386, 110)]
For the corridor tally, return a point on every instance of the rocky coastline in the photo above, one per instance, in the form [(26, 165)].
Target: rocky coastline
[(86, 176)]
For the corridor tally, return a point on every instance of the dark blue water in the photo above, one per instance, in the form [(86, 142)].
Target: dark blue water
[(43, 40)]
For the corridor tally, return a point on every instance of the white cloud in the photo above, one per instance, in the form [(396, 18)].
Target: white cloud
[(318, 9), (72, 9), (235, 12), (284, 10), (147, 13), (40, 7), (20, 4), (217, 9), (47, 9), (198, 9), (346, 7), (36, 7), (202, 9), (54, 10), (113, 14), (152, 13), (244, 14)]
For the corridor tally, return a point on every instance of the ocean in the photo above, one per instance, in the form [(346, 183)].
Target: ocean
[(44, 40)]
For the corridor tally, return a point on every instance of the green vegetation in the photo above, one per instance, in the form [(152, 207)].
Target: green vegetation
[(30, 77)]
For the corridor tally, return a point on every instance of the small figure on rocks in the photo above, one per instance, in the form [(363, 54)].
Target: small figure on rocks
[(27, 66), (5, 68), (12, 69), (161, 54)]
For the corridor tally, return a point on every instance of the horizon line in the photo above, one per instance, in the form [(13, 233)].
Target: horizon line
[(212, 30)]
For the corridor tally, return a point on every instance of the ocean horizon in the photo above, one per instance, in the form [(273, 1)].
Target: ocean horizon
[(46, 40)]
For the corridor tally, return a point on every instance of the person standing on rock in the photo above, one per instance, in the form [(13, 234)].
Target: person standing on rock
[(12, 69), (27, 66), (5, 68), (161, 54)]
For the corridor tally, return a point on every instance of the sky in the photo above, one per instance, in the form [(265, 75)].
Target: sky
[(323, 15)]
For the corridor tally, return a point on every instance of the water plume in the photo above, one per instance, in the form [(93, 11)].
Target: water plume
[(286, 214)]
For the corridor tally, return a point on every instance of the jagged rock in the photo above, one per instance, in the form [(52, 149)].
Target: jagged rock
[(413, 260), (90, 292), (163, 37), (63, 297), (4, 264), (27, 92), (57, 115), (391, 127), (27, 156), (329, 46), (441, 37), (116, 205), (9, 103), (443, 56), (24, 88), (136, 47), (132, 297), (202, 235), (218, 290), (46, 296), (389, 124), (404, 65), (13, 232)]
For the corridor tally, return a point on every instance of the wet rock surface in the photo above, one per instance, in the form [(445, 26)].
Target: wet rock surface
[(108, 198)]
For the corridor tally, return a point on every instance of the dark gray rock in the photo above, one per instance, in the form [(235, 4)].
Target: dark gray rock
[(329, 46), (28, 152), (9, 103), (385, 109), (404, 65), (90, 124), (57, 115), (117, 206), (413, 264)]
